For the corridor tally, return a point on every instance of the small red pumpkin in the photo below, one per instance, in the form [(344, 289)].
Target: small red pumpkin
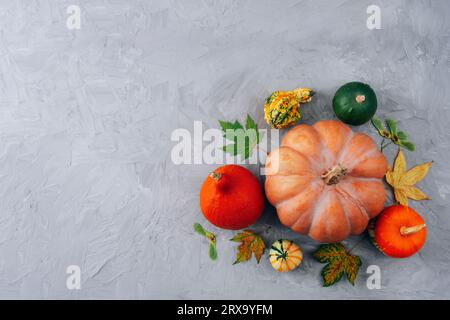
[(231, 197), (399, 231)]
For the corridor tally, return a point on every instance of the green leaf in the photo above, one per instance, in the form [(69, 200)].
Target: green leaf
[(211, 238), (408, 145), (244, 139), (199, 229), (329, 252), (243, 253), (250, 243), (225, 125), (251, 126), (377, 123), (402, 135), (230, 148), (352, 268), (338, 261), (333, 272), (229, 128), (392, 126), (397, 136), (257, 246), (237, 125), (250, 123), (212, 251), (246, 235)]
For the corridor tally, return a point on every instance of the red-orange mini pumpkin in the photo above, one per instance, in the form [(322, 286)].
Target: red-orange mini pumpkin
[(325, 180), (399, 232), (231, 197)]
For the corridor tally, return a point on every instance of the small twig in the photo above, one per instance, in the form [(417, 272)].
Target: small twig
[(385, 145)]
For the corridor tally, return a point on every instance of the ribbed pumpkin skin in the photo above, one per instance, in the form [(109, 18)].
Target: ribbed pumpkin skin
[(308, 205), (285, 255)]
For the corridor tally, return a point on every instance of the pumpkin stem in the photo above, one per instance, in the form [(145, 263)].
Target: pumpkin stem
[(215, 175), (360, 98), (221, 184), (332, 175), (404, 231)]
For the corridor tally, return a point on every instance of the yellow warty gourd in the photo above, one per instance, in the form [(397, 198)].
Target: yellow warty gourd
[(282, 108)]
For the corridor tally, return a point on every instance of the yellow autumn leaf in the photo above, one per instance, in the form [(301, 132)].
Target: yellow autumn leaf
[(390, 176), (403, 181), (416, 174), (401, 196), (415, 194), (400, 164)]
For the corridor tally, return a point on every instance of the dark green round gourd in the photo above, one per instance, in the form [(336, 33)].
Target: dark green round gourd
[(355, 103)]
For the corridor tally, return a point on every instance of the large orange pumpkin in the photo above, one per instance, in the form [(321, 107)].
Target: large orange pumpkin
[(325, 180)]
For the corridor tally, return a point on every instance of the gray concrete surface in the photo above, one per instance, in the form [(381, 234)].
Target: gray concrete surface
[(86, 116)]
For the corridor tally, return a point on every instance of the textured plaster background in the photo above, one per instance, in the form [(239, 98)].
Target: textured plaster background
[(86, 118)]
